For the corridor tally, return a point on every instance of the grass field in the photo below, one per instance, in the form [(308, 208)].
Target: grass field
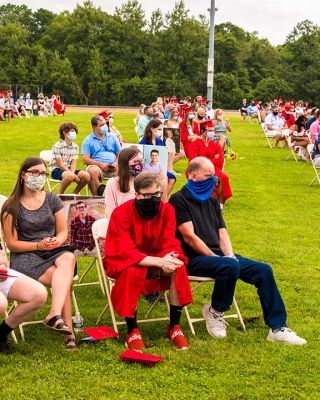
[(271, 217)]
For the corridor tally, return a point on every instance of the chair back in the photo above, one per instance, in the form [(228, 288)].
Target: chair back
[(46, 155)]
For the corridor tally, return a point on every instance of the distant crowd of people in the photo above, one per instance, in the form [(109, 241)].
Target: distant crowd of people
[(25, 106)]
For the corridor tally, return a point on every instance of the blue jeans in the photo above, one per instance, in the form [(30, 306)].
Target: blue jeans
[(226, 270)]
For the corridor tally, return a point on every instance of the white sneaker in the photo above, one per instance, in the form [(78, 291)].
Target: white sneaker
[(216, 325), (286, 335)]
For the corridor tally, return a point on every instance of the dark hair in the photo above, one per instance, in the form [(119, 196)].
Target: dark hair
[(147, 136), (318, 114), (146, 108), (95, 119), (301, 122), (125, 156), (12, 204), (154, 151), (80, 202), (145, 180), (66, 127)]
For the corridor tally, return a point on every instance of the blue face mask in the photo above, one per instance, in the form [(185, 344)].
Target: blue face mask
[(191, 116), (210, 135), (201, 190), (209, 106), (104, 130)]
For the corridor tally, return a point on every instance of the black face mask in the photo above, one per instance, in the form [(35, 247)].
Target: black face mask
[(200, 117), (275, 113), (148, 208)]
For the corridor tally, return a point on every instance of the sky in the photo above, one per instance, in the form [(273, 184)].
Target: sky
[(272, 19)]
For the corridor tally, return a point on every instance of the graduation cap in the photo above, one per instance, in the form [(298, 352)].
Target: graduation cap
[(208, 123), (104, 114), (185, 108), (142, 358), (287, 107), (100, 332)]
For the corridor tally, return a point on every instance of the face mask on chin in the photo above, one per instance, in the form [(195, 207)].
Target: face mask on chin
[(148, 208), (35, 183)]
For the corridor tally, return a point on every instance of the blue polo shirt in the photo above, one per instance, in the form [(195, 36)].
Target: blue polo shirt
[(101, 150)]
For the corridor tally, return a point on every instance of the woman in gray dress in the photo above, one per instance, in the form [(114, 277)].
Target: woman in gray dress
[(35, 230)]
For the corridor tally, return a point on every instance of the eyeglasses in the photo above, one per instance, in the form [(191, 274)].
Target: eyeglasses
[(81, 208), (150, 195), (37, 173), (136, 161)]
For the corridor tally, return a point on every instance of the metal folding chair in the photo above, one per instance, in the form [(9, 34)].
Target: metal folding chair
[(316, 169), (200, 281), (99, 231)]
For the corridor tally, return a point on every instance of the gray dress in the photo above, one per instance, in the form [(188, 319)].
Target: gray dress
[(33, 226)]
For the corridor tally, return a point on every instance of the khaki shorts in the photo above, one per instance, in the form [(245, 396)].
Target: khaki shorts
[(104, 174)]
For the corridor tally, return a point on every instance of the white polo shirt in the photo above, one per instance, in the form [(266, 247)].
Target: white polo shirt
[(273, 120)]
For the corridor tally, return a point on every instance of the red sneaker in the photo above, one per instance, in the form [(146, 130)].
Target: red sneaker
[(134, 340), (177, 337)]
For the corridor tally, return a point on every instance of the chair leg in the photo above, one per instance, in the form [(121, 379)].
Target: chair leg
[(189, 320), (100, 278), (74, 301), (86, 271), (238, 313)]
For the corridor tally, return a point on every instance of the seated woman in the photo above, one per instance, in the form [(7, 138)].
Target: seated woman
[(64, 160), (221, 126), (299, 136), (120, 189), (152, 134), (114, 130), (205, 146), (189, 131), (143, 255), (316, 153), (42, 108), (35, 230), (58, 105), (30, 294)]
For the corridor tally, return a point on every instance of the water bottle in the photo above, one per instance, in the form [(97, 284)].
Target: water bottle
[(78, 322)]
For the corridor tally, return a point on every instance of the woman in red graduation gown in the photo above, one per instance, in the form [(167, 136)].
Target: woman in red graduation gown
[(205, 146), (189, 131), (143, 256)]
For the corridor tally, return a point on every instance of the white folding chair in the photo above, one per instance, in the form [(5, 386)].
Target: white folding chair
[(268, 136), (317, 177), (46, 155), (200, 281), (99, 231), (291, 147)]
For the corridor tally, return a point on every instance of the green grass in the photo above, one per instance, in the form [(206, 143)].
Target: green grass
[(271, 217)]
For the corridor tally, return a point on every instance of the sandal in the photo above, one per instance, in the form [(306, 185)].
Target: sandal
[(70, 344), (58, 326)]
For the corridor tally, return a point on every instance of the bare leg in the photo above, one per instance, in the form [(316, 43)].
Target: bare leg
[(67, 179), (173, 294), (170, 161), (3, 304), (31, 295), (59, 278), (94, 182), (84, 180), (179, 156)]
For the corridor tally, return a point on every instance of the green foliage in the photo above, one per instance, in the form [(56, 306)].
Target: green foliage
[(89, 55)]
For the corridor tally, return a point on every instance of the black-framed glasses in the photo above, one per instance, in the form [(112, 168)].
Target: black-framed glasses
[(37, 173), (150, 195), (81, 208)]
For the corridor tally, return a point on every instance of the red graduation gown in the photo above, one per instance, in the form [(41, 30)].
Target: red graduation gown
[(130, 238), (199, 149), (184, 133)]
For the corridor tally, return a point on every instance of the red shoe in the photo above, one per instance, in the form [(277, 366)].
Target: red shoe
[(134, 340), (177, 337)]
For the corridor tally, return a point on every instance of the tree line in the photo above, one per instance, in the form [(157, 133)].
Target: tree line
[(90, 56)]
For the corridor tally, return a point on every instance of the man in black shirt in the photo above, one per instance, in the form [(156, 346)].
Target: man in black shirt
[(205, 241)]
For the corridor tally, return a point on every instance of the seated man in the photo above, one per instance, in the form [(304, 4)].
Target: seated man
[(144, 120), (205, 241), (143, 256), (99, 152), (64, 160), (273, 125), (253, 111)]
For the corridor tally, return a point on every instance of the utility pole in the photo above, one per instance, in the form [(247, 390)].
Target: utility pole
[(210, 76)]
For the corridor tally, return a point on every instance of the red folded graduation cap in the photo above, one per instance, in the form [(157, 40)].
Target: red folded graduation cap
[(104, 114), (287, 107), (208, 123), (4, 274), (185, 108), (136, 356), (101, 332)]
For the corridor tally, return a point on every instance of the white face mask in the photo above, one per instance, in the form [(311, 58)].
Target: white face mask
[(219, 117), (35, 183), (72, 135)]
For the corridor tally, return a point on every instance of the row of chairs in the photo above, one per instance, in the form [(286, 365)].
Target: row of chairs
[(293, 153)]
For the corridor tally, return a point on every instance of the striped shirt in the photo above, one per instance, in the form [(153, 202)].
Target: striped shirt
[(66, 153)]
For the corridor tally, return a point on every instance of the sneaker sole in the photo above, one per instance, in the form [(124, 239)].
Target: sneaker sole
[(284, 342)]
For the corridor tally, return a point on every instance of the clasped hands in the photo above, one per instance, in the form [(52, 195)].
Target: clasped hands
[(48, 244), (170, 262)]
